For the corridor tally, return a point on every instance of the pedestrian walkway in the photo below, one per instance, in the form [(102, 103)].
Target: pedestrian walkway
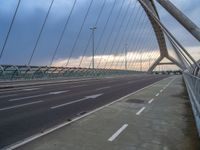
[(158, 117)]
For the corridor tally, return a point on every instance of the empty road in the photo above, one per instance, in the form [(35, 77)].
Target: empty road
[(28, 108)]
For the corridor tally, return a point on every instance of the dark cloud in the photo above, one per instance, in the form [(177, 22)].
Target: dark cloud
[(31, 16)]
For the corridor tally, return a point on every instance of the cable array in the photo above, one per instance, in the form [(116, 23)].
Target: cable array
[(124, 36)]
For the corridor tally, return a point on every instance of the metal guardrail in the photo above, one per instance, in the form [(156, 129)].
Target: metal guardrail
[(11, 72), (193, 87)]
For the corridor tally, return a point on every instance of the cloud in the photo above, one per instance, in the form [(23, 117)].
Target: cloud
[(133, 61), (190, 9), (31, 7), (31, 16)]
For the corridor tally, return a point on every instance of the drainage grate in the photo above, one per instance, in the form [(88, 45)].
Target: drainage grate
[(139, 101)]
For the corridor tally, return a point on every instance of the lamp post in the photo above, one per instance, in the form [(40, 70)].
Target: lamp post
[(93, 30), (141, 61), (125, 57), (149, 61)]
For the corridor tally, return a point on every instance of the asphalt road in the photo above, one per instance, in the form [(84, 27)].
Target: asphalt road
[(27, 108)]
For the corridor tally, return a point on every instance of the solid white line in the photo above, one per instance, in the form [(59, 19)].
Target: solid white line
[(45, 132), (150, 101), (103, 88), (58, 92), (117, 133), (21, 105), (157, 94), (141, 110), (37, 85), (76, 101), (69, 103), (39, 95), (75, 86), (31, 89), (4, 96), (27, 97), (52, 81)]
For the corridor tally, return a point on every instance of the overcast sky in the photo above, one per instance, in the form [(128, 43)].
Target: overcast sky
[(191, 8), (31, 15)]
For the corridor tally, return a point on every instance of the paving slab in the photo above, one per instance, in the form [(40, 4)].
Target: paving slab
[(157, 118)]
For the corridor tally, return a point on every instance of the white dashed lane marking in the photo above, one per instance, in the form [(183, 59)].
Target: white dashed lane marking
[(117, 133), (141, 110)]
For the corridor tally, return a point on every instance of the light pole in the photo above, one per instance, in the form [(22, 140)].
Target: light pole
[(93, 30), (141, 61), (149, 61), (125, 57)]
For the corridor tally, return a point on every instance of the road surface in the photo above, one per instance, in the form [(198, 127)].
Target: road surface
[(27, 108)]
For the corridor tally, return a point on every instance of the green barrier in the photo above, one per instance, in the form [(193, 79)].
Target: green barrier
[(10, 72)]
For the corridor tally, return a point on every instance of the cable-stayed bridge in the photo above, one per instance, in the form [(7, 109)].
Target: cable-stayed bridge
[(65, 61)]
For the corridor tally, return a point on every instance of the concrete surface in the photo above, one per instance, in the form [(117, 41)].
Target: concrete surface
[(156, 118)]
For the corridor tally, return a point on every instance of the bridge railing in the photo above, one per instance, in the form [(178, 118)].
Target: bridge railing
[(193, 87), (10, 72)]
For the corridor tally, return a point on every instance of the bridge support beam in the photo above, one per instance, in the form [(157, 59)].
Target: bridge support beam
[(157, 29), (158, 61), (155, 64), (183, 19), (180, 57), (159, 34), (160, 29), (175, 62)]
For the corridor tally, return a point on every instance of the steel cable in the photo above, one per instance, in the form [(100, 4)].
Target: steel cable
[(63, 32), (79, 33), (40, 33), (137, 26), (10, 28), (124, 36), (133, 24), (139, 47), (118, 35), (141, 31), (89, 40), (111, 33), (105, 27)]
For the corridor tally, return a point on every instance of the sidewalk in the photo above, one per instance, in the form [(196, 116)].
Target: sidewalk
[(156, 118)]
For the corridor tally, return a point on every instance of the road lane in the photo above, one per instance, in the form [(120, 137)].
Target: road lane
[(45, 91), (36, 96), (77, 101), (18, 106), (62, 97), (44, 95), (19, 123), (10, 86), (18, 89)]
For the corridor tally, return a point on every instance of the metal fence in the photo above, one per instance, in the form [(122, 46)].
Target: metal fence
[(193, 87), (11, 72)]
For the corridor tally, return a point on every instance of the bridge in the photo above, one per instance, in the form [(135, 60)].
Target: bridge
[(109, 74)]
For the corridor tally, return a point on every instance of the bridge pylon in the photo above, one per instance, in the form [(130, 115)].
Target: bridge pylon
[(160, 31)]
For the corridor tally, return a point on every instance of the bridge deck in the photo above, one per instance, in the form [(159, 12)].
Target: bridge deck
[(158, 118)]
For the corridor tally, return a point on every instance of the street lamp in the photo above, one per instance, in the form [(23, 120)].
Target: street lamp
[(125, 57), (141, 61), (93, 30)]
